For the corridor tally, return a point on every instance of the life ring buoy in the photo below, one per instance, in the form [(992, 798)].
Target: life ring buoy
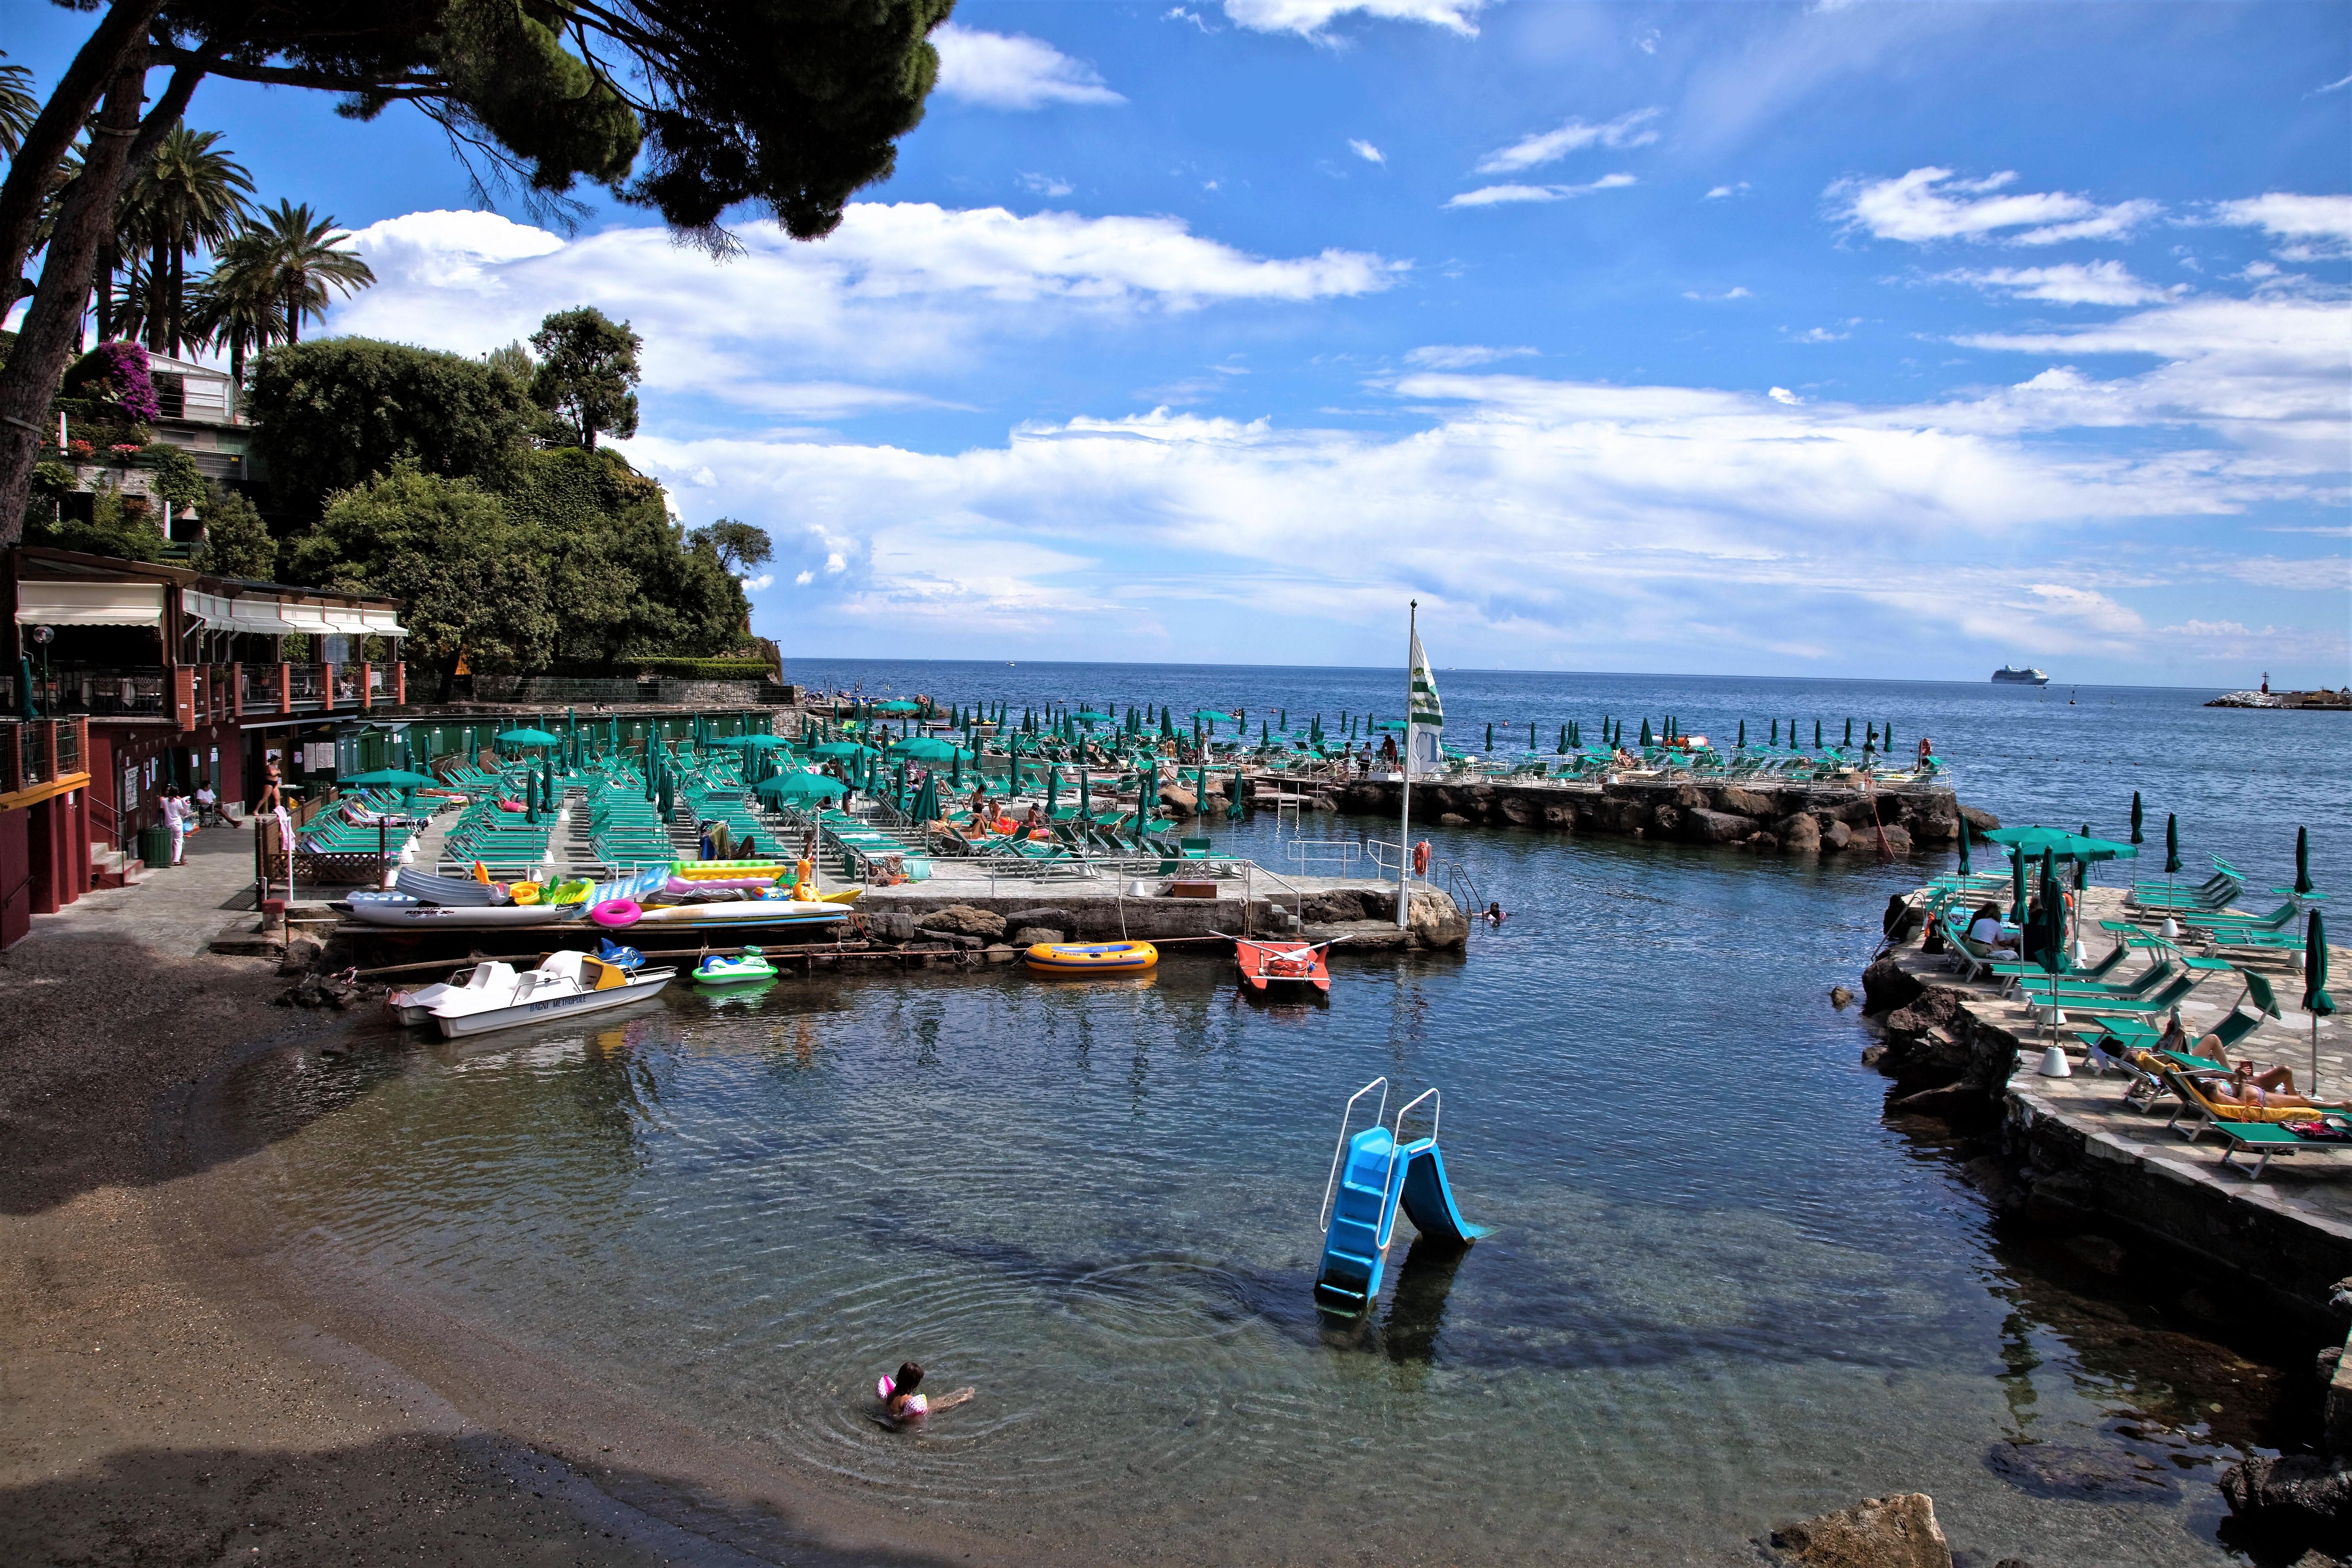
[(1421, 858), (616, 913)]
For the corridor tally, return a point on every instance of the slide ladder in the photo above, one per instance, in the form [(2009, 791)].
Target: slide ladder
[(1375, 1173)]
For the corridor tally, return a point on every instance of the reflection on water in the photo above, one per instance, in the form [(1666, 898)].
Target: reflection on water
[(1720, 1291)]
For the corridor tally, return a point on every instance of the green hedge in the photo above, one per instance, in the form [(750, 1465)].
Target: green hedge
[(704, 668)]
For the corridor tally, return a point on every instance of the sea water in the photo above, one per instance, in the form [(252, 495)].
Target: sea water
[(1722, 1290)]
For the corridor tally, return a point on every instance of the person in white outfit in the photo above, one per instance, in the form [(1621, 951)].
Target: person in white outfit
[(176, 818)]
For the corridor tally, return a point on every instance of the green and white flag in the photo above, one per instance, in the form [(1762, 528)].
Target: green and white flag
[(1426, 719)]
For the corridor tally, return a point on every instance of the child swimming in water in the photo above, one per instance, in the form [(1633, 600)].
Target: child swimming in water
[(901, 1403)]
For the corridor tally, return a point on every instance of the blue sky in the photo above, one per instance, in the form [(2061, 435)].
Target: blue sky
[(1862, 339)]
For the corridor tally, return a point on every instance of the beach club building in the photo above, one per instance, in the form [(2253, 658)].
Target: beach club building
[(122, 678)]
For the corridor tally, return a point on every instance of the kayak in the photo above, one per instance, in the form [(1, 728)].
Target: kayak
[(717, 971), (1090, 958)]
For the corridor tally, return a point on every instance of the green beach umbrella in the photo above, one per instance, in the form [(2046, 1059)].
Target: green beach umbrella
[(2016, 888), (923, 748), (1490, 737), (2136, 818), (1053, 788), (1646, 741), (1742, 743), (2315, 999), (1817, 734), (528, 738), (2303, 883), (1531, 736), (1964, 846), (667, 801), (2171, 843), (927, 799), (1563, 741), (1849, 732), (530, 797), (1776, 731), (1146, 796), (1086, 794), (1234, 807)]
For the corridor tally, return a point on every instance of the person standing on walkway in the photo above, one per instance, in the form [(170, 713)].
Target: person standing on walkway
[(175, 819)]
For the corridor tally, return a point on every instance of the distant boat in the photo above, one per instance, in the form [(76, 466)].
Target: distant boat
[(2005, 676)]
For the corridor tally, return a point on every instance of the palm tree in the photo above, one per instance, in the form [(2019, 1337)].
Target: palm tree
[(302, 256), (189, 196), (235, 306), (18, 107)]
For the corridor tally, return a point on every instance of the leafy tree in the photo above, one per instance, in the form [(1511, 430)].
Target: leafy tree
[(468, 581), (794, 104), (621, 575), (739, 546), (119, 525), (177, 478), (236, 541), (513, 361), (333, 412), (587, 362)]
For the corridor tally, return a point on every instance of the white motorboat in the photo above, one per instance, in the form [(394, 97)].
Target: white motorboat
[(493, 995)]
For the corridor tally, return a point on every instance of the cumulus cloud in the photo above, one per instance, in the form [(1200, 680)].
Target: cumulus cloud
[(2316, 228), (1012, 70), (765, 580), (1461, 356), (2085, 283), (1366, 151), (1310, 18), (790, 328), (1497, 195), (1718, 193), (1551, 146), (1739, 292), (1781, 395), (1930, 204)]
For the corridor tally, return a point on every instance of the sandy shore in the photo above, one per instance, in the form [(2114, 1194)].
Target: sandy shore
[(168, 1395)]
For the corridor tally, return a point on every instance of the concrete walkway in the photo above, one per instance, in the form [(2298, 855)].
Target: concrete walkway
[(177, 909)]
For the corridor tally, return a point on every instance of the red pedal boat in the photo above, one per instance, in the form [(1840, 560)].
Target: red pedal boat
[(1283, 964)]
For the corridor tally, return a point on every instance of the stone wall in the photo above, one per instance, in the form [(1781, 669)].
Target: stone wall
[(1367, 917), (1798, 818)]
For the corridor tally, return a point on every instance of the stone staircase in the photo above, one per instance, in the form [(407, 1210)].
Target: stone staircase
[(115, 869)]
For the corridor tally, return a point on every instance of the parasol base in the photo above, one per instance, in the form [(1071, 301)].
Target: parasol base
[(2055, 1063), (2171, 930)]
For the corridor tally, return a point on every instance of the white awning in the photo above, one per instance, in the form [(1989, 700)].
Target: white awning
[(218, 614), (307, 619), (42, 603), (260, 614), (384, 623), (344, 620)]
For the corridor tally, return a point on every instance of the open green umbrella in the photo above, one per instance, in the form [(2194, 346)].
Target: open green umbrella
[(839, 749), (2303, 883), (927, 799), (2059, 841), (528, 737), (924, 749), (2136, 819)]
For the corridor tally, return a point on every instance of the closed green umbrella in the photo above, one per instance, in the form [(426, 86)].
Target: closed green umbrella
[(1146, 796), (1742, 743), (2136, 819), (1646, 741), (530, 798), (927, 799), (1817, 734), (1086, 794), (667, 801), (1964, 846), (1490, 737), (1053, 788), (2315, 999), (2171, 843), (2017, 889), (1849, 732), (2303, 861)]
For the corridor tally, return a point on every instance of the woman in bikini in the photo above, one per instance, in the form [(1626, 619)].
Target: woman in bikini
[(900, 1402)]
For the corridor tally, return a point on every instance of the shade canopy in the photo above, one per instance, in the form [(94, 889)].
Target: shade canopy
[(752, 742), (1211, 716), (2030, 841), (530, 738), (898, 707), (795, 789), (90, 604), (924, 749), (840, 749)]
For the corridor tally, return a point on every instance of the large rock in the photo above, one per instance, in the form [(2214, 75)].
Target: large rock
[(1703, 827), (1898, 1531), (1060, 919), (1030, 936), (1983, 821), (1362, 936), (1746, 802), (1898, 841), (2300, 1498), (1434, 920), (1800, 834), (1933, 828), (1182, 802), (303, 955), (1886, 985), (1667, 820), (1836, 836), (1340, 905), (965, 920)]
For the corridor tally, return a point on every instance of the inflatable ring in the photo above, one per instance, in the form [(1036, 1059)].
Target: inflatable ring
[(523, 892), (616, 913)]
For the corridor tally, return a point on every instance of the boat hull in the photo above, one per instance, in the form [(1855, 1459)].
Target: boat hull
[(747, 911), (1091, 958), (1282, 967), (429, 917), (467, 1025)]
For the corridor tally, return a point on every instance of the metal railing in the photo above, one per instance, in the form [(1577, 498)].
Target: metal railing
[(1305, 852), (1331, 1184), (136, 690)]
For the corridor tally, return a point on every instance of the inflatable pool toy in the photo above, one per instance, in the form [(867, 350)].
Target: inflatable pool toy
[(1091, 958), (523, 892), (572, 893), (616, 913), (717, 971), (620, 957)]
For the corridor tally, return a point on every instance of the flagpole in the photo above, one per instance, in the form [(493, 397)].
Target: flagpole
[(1404, 820)]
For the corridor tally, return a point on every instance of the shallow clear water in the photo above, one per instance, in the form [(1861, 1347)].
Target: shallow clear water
[(1721, 1290)]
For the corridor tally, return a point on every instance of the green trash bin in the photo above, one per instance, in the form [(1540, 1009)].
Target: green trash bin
[(155, 846)]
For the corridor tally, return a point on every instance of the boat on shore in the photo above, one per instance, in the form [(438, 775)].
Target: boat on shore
[(2010, 675), (493, 995)]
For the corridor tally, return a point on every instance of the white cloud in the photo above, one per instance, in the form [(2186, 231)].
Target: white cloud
[(797, 328), (2075, 283), (1816, 335), (1045, 185), (803, 579), (1012, 70), (1719, 192), (1647, 41), (2334, 86), (1926, 206), (1739, 292), (1366, 151), (1551, 146), (1781, 395), (1179, 14), (765, 580), (1495, 196), (1308, 18), (835, 564), (2316, 227), (1461, 356), (2328, 575)]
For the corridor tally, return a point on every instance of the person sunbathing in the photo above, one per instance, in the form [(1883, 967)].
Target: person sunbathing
[(900, 1401), (2268, 1089)]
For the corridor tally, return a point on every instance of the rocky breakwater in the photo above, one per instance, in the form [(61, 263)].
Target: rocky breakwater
[(1802, 820), (1365, 917)]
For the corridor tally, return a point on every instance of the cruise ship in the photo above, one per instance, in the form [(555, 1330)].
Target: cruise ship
[(2005, 676)]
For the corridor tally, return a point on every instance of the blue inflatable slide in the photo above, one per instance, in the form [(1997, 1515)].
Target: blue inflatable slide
[(1374, 1173)]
